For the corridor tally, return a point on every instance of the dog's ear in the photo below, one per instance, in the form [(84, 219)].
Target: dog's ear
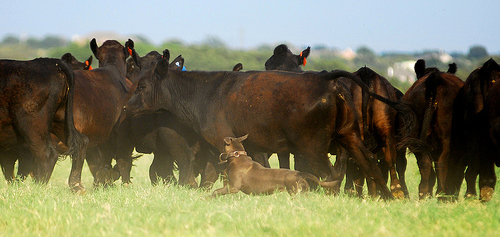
[(240, 139), (227, 140)]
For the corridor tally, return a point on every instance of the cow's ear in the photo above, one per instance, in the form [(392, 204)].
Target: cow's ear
[(238, 67), (420, 68), (166, 54), (88, 63), (129, 50), (67, 57), (303, 55), (161, 69), (178, 63), (94, 48), (242, 138)]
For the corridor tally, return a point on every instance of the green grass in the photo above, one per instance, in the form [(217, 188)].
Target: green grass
[(29, 209)]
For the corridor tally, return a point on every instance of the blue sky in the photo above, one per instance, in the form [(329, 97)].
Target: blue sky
[(382, 25)]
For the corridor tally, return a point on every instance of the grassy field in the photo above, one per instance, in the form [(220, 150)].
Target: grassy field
[(28, 209)]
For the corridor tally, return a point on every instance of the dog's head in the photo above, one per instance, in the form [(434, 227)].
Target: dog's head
[(233, 148)]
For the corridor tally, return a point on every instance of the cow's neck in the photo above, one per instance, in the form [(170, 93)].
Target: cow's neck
[(188, 93), (119, 72)]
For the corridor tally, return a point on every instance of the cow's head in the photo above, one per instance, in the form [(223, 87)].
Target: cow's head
[(489, 74), (421, 69), (149, 96), (283, 59), (112, 52), (148, 61), (75, 64)]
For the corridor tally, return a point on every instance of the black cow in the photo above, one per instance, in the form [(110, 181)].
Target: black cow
[(283, 59), (77, 65), (432, 98), (36, 99), (158, 133), (284, 112), (472, 132)]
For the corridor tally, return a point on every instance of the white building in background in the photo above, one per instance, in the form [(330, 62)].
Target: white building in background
[(403, 71)]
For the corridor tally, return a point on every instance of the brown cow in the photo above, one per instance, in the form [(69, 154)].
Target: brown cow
[(100, 95), (379, 131), (36, 97), (432, 98), (377, 119), (218, 104)]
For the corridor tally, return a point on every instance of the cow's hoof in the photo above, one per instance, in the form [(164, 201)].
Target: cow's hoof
[(78, 189), (486, 194), (469, 196), (398, 194)]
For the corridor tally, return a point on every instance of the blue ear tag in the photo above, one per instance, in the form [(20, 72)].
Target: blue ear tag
[(184, 68)]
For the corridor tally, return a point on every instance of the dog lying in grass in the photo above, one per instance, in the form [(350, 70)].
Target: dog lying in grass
[(244, 174)]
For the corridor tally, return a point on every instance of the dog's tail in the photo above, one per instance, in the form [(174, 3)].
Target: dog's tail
[(314, 181)]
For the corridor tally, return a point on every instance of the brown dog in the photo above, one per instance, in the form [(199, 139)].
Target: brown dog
[(242, 173)]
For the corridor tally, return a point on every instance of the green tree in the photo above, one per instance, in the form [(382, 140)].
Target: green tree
[(365, 55), (477, 52)]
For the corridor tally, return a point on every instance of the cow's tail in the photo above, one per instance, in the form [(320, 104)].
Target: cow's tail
[(433, 81), (314, 181), (402, 107), (366, 75), (75, 141)]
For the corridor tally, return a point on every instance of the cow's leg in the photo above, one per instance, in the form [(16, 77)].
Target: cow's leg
[(390, 155), (366, 161), (442, 169), (8, 162), (284, 160), (349, 179), (25, 165), (470, 179), (39, 143), (261, 158), (358, 179), (454, 180), (162, 167), (209, 176), (124, 161), (302, 164), (92, 158), (178, 148), (487, 178), (425, 167), (401, 164), (341, 160)]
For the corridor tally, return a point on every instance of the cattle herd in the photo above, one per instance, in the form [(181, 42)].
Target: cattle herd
[(197, 121)]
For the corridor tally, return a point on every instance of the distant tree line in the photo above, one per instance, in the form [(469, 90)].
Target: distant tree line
[(213, 54)]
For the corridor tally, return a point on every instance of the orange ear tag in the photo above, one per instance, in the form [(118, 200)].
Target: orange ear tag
[(87, 64), (305, 61), (130, 51)]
